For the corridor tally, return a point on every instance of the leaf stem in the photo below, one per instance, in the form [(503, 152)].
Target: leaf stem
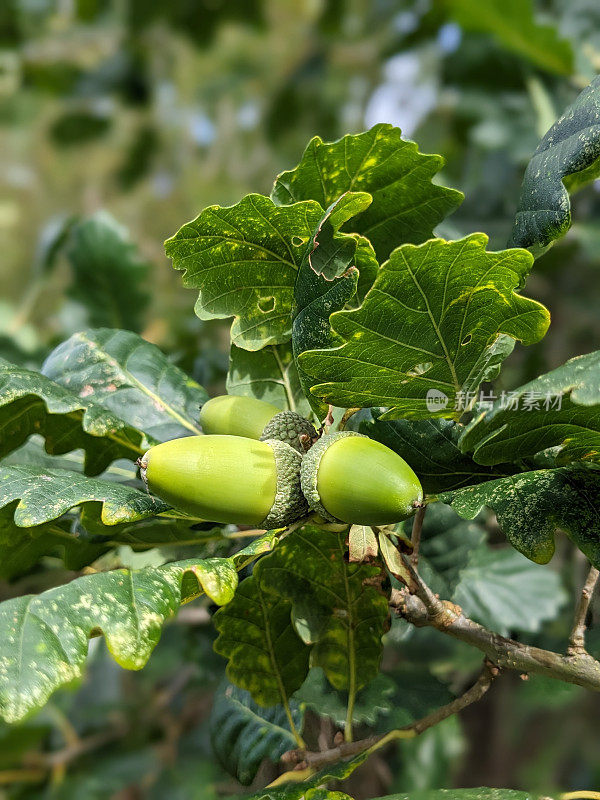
[(577, 637), (286, 379)]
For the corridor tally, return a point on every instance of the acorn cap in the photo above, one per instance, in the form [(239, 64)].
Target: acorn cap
[(289, 503), (348, 477), (227, 479), (236, 415), (288, 426)]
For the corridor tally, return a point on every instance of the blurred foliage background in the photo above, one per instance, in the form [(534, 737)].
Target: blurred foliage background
[(122, 119)]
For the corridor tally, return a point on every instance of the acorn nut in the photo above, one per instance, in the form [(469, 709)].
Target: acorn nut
[(236, 415), (347, 477), (228, 479)]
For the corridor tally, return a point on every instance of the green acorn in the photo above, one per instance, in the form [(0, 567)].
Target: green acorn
[(236, 416), (288, 426), (347, 477), (228, 479)]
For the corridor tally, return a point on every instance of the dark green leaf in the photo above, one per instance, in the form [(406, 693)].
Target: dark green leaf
[(566, 158), (108, 273), (32, 403), (333, 604), (243, 734), (465, 794), (532, 505), (406, 205), (424, 329), (269, 374), (132, 378), (265, 655), (512, 23), (560, 409), (429, 446), (373, 700), (243, 259)]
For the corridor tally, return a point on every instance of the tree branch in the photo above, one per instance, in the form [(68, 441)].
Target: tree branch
[(423, 609), (577, 637), (314, 761), (416, 534)]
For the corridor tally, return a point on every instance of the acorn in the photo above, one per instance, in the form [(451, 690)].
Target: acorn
[(228, 479), (347, 477), (236, 415), (290, 427)]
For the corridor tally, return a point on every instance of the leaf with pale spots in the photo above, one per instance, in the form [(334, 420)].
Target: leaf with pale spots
[(45, 637), (131, 378), (532, 506), (428, 329), (566, 159), (265, 656), (362, 543), (31, 403), (46, 495), (559, 410), (406, 206), (269, 374), (336, 606), (244, 259)]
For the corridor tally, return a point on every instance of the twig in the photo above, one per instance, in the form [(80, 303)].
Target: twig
[(577, 637), (315, 761), (580, 669), (416, 534)]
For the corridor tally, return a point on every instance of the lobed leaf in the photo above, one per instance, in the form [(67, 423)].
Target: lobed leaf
[(532, 505), (265, 655), (560, 409), (243, 259), (45, 636), (243, 734), (31, 403), (406, 205), (131, 378), (427, 331), (335, 608), (566, 158)]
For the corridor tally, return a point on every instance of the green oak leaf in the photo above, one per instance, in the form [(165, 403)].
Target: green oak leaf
[(243, 734), (425, 327), (269, 374), (531, 506), (45, 636), (512, 23), (466, 794), (131, 378), (566, 158), (31, 403), (46, 495), (373, 701), (333, 604), (266, 657), (326, 281), (406, 205), (504, 591), (430, 446), (560, 409), (244, 259), (103, 257)]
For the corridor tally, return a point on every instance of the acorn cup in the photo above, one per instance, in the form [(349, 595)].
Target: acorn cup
[(246, 416), (228, 479), (347, 477)]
